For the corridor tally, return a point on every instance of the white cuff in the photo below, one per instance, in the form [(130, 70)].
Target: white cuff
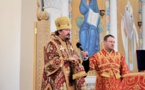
[(85, 59)]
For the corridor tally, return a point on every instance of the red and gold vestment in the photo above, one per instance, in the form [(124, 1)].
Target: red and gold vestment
[(110, 67), (59, 68)]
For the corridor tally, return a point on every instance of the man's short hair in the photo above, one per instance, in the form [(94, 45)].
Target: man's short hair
[(106, 37)]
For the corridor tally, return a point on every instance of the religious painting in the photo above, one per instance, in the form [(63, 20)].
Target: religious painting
[(128, 31), (88, 26), (72, 9)]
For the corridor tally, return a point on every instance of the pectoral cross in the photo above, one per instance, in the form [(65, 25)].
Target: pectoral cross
[(71, 48)]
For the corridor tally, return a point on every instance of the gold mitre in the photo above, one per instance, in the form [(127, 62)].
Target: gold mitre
[(63, 22)]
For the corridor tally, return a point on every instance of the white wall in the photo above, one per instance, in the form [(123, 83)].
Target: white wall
[(10, 12), (28, 17), (55, 9), (16, 44)]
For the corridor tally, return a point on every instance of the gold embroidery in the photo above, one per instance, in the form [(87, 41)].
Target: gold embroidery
[(78, 75), (62, 48), (105, 75), (118, 76), (136, 87)]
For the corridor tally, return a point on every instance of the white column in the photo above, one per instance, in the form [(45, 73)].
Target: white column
[(113, 21), (143, 22), (55, 9)]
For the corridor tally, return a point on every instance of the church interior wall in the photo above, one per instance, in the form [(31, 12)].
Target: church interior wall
[(17, 39)]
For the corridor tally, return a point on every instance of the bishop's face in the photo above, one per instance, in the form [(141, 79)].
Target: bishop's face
[(64, 34)]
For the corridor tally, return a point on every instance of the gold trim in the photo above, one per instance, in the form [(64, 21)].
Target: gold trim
[(118, 76), (35, 28), (134, 74), (48, 87), (78, 75), (105, 75), (109, 64), (34, 62), (50, 73), (66, 78)]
